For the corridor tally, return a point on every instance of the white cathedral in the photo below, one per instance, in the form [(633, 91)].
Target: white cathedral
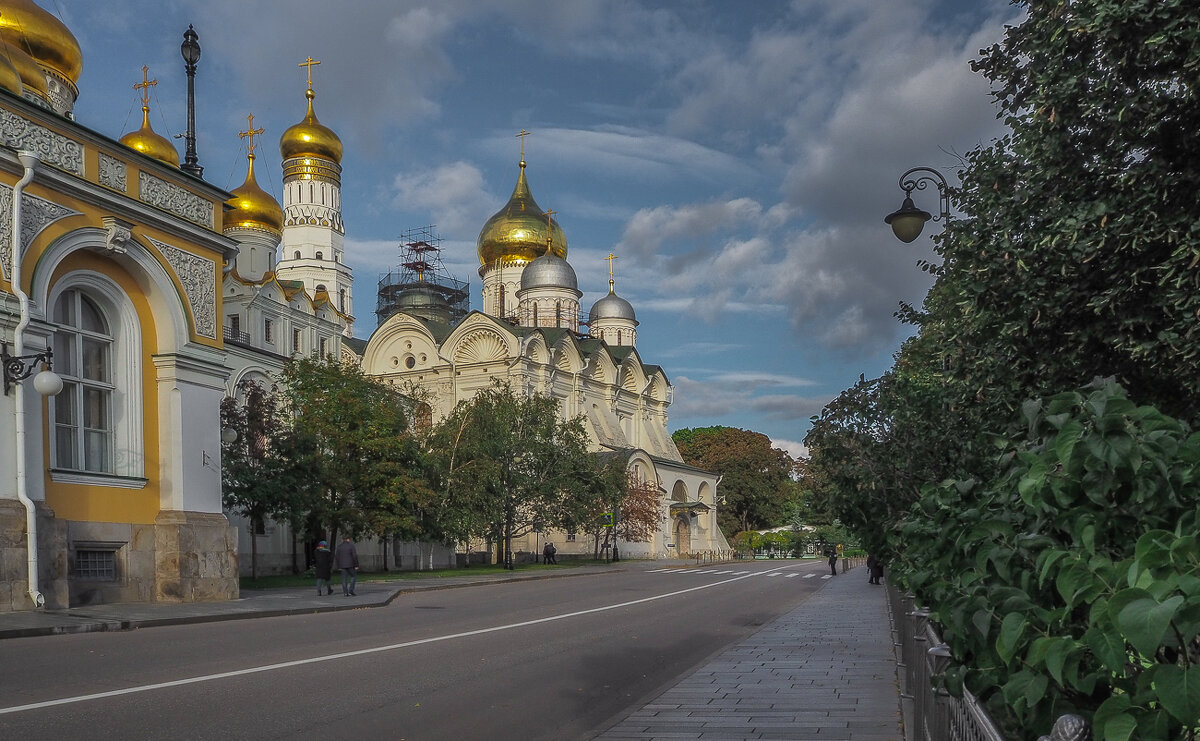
[(151, 293)]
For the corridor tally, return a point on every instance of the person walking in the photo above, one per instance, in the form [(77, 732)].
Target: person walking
[(346, 559), (546, 552), (832, 562), (871, 561), (323, 565), (875, 566), (550, 551)]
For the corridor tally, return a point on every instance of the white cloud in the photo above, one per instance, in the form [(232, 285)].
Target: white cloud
[(454, 195)]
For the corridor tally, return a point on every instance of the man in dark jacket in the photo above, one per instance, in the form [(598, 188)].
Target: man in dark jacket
[(323, 564), (346, 559)]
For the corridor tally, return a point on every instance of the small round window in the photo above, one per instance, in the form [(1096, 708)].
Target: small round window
[(410, 362)]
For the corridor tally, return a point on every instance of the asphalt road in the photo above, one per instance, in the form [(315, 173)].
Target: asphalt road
[(547, 659)]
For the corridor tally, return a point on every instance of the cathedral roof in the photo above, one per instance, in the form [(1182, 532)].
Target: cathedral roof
[(310, 138), (150, 143), (613, 306), (549, 271), (253, 207), (521, 231), (40, 35)]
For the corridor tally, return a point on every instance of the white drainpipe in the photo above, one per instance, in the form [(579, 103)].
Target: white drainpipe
[(28, 161)]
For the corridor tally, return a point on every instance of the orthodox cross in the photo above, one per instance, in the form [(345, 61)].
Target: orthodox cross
[(611, 281), (522, 136), (145, 85), (253, 132), (549, 213), (308, 63)]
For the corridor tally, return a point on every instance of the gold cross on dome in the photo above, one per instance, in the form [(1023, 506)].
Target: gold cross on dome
[(611, 281), (145, 85), (309, 63), (549, 234), (522, 136), (253, 132)]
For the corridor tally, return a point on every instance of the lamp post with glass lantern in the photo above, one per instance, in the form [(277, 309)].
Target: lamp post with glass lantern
[(908, 221), (190, 49)]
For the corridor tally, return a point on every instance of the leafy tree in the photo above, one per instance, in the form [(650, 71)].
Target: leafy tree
[(755, 475), (1072, 583), (258, 476), (353, 441), (515, 465)]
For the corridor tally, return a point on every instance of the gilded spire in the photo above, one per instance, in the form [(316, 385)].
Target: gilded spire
[(253, 207), (310, 138), (612, 283), (145, 140)]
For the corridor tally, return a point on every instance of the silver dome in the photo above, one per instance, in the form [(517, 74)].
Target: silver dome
[(549, 271), (613, 306)]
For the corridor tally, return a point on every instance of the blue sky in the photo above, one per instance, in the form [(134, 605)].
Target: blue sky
[(737, 156)]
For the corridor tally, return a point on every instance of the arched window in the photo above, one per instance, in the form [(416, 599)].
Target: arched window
[(535, 315), (558, 313), (83, 412), (297, 254), (319, 256), (618, 337), (342, 300), (320, 286), (500, 306)]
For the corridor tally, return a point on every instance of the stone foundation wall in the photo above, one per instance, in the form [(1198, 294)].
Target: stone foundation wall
[(195, 557), (14, 558)]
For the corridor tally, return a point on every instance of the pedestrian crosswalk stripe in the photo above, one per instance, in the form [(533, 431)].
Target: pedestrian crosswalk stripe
[(809, 576)]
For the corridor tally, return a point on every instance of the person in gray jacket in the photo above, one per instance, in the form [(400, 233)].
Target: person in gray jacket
[(346, 559)]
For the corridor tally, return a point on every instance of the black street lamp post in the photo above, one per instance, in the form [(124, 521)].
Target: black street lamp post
[(190, 49), (908, 221)]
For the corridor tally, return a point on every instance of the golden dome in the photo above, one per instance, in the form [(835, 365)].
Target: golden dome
[(10, 78), (517, 232), (33, 78), (310, 139), (151, 144), (42, 36), (253, 207)]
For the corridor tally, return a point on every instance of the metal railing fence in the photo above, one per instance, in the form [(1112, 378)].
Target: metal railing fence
[(932, 714)]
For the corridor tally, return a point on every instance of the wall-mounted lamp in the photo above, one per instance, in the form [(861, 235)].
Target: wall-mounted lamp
[(19, 367), (908, 221)]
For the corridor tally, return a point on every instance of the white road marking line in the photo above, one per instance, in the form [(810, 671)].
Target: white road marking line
[(361, 652), (809, 576)]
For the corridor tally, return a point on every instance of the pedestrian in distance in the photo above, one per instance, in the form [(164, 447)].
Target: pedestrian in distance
[(346, 559), (875, 566), (323, 564), (546, 552), (550, 551), (832, 562)]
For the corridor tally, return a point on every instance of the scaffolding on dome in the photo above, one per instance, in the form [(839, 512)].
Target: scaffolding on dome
[(421, 285)]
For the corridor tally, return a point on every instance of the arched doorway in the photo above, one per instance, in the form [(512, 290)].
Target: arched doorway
[(683, 535)]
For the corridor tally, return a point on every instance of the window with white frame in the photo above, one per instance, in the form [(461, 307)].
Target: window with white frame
[(83, 414), (267, 333), (96, 422)]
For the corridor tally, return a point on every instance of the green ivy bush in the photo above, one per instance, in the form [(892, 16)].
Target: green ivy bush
[(1071, 582)]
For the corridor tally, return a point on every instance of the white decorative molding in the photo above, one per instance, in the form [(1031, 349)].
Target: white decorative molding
[(119, 234), (481, 346), (198, 276), (171, 197), (36, 215), (51, 148), (112, 172)]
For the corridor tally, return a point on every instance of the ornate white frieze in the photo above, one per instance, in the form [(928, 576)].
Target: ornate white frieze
[(112, 172), (51, 148), (198, 276), (36, 215), (171, 197)]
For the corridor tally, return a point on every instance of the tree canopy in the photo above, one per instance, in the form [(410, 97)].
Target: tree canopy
[(755, 475)]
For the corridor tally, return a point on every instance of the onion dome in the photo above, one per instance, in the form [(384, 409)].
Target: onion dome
[(518, 232), (425, 304), (42, 36), (33, 77), (548, 271), (10, 78), (151, 144), (253, 207), (612, 306), (310, 138)]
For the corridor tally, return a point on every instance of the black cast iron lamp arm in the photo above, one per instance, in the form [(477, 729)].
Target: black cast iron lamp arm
[(19, 367), (908, 221)]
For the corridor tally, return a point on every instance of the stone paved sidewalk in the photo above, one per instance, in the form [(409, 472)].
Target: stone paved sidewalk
[(825, 671)]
